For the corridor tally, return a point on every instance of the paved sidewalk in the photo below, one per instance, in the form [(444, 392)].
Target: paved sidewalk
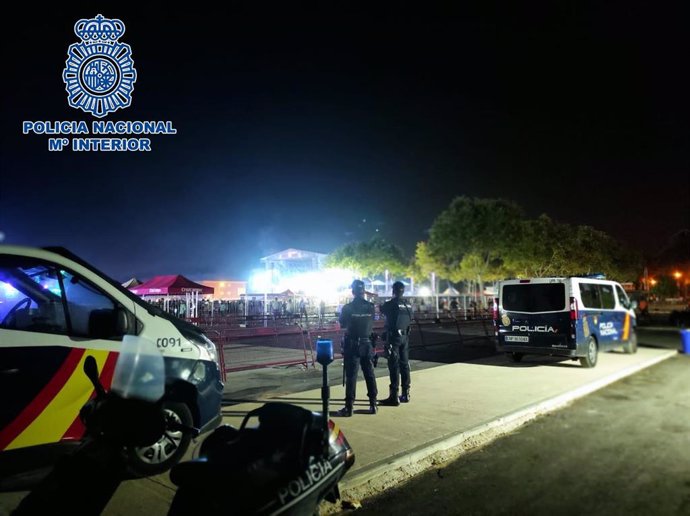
[(455, 407)]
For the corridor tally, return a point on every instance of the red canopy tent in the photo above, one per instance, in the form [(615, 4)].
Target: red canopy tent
[(174, 285)]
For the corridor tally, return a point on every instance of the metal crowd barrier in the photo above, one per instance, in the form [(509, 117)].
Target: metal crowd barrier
[(252, 343)]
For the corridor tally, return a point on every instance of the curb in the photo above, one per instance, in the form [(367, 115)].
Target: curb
[(393, 471)]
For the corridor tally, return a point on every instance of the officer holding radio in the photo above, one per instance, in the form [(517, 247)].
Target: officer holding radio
[(357, 317), (398, 317)]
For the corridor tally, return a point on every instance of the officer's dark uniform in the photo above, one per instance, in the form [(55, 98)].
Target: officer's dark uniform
[(357, 317), (398, 318)]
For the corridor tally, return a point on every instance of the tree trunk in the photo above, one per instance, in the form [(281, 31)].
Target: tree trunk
[(480, 288)]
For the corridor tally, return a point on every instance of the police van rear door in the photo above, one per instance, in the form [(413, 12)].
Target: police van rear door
[(534, 314)]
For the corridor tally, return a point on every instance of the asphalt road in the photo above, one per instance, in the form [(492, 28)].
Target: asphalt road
[(622, 450)]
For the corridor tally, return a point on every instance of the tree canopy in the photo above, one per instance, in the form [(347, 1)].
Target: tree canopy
[(471, 236), (485, 239), (424, 264), (488, 239), (369, 258), (548, 248)]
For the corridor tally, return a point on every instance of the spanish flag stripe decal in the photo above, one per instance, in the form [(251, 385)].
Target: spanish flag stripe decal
[(626, 327), (58, 415), (41, 401), (109, 370), (76, 429)]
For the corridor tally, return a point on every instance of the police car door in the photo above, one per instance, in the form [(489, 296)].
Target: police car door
[(50, 320), (624, 311), (611, 320)]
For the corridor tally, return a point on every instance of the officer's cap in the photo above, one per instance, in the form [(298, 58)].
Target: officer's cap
[(358, 287)]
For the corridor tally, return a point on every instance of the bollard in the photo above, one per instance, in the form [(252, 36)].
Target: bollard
[(324, 356), (685, 341)]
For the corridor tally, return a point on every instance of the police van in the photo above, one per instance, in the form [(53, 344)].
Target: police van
[(575, 317), (55, 310)]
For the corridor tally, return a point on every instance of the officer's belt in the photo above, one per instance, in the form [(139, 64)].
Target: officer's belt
[(357, 339)]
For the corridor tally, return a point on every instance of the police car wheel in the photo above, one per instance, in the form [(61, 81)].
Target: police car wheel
[(630, 347), (590, 359), (515, 357), (168, 450)]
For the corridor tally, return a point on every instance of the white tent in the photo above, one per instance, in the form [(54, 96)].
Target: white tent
[(132, 282)]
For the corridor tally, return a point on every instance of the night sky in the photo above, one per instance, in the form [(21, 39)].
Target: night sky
[(296, 125)]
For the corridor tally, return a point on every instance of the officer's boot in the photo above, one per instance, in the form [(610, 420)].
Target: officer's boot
[(346, 411), (405, 396), (373, 409), (392, 399)]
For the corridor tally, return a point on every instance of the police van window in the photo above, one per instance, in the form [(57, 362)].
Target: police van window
[(534, 297), (622, 297), (589, 293), (92, 313), (30, 296), (608, 300)]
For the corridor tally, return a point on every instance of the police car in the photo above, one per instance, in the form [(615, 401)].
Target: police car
[(55, 310), (575, 317)]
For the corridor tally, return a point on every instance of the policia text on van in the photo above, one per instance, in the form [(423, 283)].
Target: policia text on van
[(570, 317), (55, 310)]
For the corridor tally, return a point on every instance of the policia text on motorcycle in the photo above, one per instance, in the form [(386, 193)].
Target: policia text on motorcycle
[(397, 329), (357, 318)]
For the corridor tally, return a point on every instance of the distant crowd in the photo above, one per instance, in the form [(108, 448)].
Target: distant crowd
[(297, 308), (254, 307)]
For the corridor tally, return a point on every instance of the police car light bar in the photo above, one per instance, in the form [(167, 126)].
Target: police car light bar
[(593, 275)]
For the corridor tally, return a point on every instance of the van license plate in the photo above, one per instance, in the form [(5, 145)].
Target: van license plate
[(516, 338)]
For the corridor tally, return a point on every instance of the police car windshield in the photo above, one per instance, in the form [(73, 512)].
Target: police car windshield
[(534, 297)]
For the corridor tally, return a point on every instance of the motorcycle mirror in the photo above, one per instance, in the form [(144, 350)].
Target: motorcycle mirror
[(91, 371)]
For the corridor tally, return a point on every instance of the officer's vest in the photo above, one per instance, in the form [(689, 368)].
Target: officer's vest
[(399, 316), (361, 319)]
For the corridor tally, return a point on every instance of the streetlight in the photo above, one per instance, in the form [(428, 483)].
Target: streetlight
[(678, 275)]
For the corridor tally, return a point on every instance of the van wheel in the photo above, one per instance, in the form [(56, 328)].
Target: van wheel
[(168, 450), (630, 347), (515, 357), (590, 359)]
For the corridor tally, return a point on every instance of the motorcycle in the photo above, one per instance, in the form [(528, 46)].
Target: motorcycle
[(287, 464)]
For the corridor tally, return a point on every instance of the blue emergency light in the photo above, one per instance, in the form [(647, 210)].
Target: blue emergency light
[(324, 351)]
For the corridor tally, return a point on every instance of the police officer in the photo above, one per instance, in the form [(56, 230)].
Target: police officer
[(398, 317), (357, 317)]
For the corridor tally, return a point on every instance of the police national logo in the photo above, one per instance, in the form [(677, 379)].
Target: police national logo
[(99, 78), (99, 74)]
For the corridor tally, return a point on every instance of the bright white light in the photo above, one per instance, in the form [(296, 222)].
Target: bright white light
[(260, 282), (8, 290), (424, 291), (328, 285)]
